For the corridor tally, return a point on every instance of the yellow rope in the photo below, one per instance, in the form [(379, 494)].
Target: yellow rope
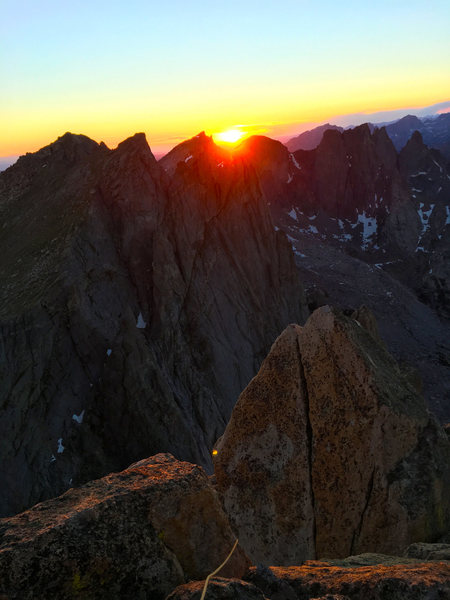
[(217, 570)]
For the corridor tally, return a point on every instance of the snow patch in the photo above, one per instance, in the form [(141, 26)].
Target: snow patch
[(343, 237), (109, 352), (369, 228), (60, 446), (141, 324), (188, 158), (289, 179), (293, 214), (78, 418), (424, 216), (292, 157), (438, 165)]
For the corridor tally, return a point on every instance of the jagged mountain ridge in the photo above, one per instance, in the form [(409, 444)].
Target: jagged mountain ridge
[(308, 140), (435, 131), (365, 231), (354, 191), (129, 319)]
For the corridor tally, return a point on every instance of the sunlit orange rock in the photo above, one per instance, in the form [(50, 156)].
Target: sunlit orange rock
[(376, 582), (144, 530), (331, 452), (365, 577)]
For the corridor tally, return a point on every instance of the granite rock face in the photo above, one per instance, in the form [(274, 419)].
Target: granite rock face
[(361, 578), (330, 451), (263, 460), (429, 551), (320, 580), (137, 300), (134, 534), (218, 589)]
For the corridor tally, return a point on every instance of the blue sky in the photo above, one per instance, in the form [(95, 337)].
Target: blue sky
[(171, 69)]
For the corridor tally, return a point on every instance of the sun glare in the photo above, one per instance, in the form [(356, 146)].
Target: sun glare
[(230, 136)]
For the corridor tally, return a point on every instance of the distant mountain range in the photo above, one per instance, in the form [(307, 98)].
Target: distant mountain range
[(7, 161), (435, 132), (139, 297), (370, 225)]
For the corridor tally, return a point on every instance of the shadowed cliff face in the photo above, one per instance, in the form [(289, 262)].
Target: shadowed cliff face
[(371, 226), (136, 303)]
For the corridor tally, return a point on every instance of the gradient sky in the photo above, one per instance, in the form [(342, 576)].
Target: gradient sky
[(172, 68)]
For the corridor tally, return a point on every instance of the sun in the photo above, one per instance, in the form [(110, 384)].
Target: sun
[(230, 136)]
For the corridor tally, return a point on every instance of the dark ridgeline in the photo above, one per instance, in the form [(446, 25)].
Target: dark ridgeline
[(434, 129), (371, 226), (139, 298), (135, 305)]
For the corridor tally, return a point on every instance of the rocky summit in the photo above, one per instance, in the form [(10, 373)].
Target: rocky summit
[(137, 300), (134, 534), (330, 450), (140, 299)]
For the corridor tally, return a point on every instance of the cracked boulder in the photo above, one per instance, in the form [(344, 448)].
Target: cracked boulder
[(330, 451), (134, 534)]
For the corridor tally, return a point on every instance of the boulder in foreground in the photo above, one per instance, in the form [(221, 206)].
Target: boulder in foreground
[(315, 579), (135, 534), (365, 577), (330, 450)]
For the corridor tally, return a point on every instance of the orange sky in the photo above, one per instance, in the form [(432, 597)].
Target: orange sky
[(109, 69)]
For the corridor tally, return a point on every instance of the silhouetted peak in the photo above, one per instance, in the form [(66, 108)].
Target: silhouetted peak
[(70, 147), (413, 151), (410, 121), (73, 141), (202, 136), (255, 141), (136, 142), (362, 131), (193, 148), (136, 148), (330, 134), (200, 140), (416, 138), (380, 136), (261, 143)]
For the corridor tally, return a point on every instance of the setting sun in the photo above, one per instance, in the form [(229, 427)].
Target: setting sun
[(230, 136)]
